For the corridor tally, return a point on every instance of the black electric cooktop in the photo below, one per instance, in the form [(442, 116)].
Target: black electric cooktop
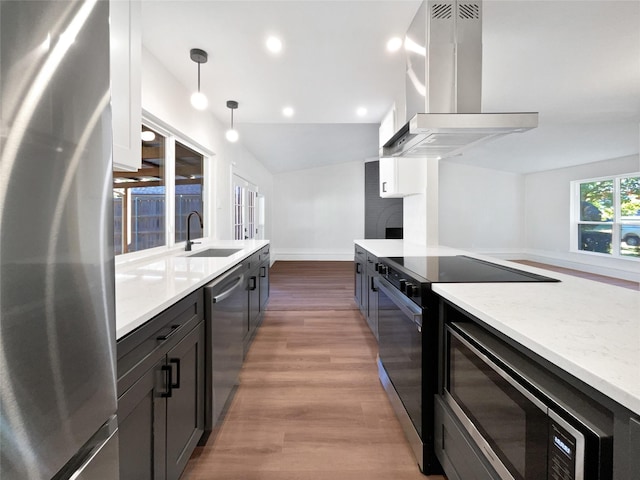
[(460, 269)]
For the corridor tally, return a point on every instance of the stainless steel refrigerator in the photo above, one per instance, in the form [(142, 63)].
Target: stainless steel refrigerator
[(57, 326)]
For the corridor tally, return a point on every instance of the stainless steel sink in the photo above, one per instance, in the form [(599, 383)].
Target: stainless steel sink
[(215, 252)]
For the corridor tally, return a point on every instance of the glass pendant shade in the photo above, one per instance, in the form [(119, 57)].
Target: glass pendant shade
[(232, 135), (199, 100)]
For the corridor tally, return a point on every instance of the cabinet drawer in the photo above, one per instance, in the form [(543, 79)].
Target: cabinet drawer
[(142, 348), (456, 454)]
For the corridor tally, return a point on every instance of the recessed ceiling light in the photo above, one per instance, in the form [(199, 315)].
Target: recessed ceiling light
[(287, 111), (361, 111), (274, 44), (394, 44)]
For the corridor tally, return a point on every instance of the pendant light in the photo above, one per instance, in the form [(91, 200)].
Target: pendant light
[(232, 134), (198, 99)]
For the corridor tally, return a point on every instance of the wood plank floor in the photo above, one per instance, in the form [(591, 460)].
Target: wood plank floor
[(309, 404)]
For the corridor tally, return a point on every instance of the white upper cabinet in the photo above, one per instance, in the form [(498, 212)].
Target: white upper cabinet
[(387, 127), (126, 103), (400, 177)]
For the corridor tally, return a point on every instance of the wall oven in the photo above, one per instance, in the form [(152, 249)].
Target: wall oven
[(527, 423)]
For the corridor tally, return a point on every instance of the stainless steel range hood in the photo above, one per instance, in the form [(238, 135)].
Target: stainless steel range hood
[(444, 85)]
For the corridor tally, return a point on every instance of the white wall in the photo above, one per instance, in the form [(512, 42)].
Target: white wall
[(547, 227), (318, 212), (167, 101), (481, 209)]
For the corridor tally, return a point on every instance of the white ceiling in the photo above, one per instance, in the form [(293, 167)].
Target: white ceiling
[(577, 62)]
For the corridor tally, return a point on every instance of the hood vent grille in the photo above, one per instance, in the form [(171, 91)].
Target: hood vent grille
[(443, 49), (441, 11), (470, 11)]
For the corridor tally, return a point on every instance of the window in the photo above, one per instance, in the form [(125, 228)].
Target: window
[(157, 198), (188, 195), (139, 200), (607, 216)]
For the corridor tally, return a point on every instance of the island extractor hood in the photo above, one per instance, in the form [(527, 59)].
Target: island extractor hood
[(444, 85)]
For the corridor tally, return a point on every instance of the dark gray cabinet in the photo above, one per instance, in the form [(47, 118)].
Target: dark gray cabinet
[(258, 292), (366, 294), (371, 293), (263, 278), (185, 406), (359, 264), (161, 392), (254, 299), (141, 411)]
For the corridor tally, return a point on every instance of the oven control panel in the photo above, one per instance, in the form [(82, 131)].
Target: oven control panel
[(409, 286)]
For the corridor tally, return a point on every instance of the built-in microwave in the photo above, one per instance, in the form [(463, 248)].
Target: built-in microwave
[(526, 422)]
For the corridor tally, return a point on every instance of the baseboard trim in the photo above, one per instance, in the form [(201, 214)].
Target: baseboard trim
[(313, 256)]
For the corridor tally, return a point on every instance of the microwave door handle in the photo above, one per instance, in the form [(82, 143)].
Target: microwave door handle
[(412, 311)]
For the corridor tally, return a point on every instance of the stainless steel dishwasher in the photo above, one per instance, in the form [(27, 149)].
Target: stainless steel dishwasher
[(226, 303)]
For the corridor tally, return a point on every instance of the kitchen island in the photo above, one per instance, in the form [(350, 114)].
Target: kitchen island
[(589, 329), (585, 332)]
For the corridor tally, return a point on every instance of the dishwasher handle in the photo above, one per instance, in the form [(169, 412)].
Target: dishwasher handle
[(219, 297)]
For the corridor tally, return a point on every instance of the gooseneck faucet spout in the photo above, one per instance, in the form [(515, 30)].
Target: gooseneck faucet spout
[(189, 242)]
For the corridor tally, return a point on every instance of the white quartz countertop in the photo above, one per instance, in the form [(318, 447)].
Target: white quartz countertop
[(147, 286), (587, 328)]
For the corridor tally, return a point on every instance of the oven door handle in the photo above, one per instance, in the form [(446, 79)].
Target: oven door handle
[(409, 308)]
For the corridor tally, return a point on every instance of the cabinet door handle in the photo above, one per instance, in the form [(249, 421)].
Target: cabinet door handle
[(358, 268), (253, 283), (176, 362), (174, 329), (384, 187), (167, 378), (373, 286), (263, 272)]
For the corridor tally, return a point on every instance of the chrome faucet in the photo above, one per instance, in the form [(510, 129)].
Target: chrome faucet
[(187, 247)]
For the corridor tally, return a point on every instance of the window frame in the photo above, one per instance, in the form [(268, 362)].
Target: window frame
[(171, 136), (616, 223)]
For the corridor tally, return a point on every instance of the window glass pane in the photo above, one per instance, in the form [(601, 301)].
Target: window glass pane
[(630, 198), (238, 217), (139, 199), (630, 240), (595, 238), (189, 184), (596, 201), (630, 216)]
